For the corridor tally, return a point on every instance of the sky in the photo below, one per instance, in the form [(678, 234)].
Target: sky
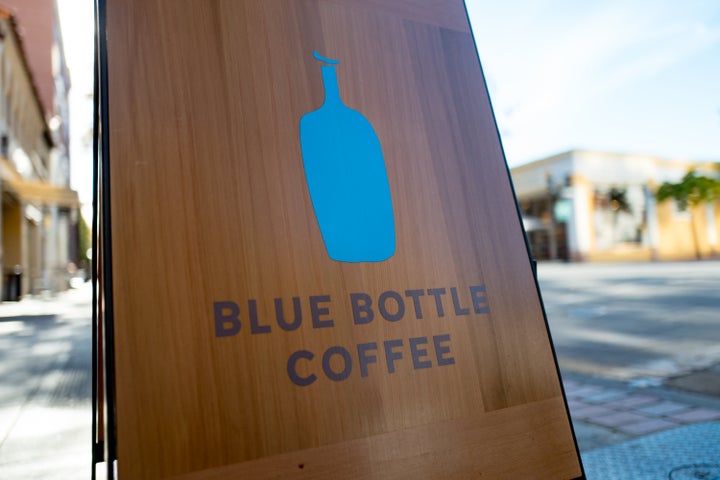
[(629, 76), (77, 27)]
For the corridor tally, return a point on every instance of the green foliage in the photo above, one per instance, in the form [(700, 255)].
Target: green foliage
[(692, 190), (618, 200), (83, 239)]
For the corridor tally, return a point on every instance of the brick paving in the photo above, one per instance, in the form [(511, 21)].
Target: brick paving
[(622, 412)]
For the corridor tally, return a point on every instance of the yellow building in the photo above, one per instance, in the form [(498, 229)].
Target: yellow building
[(585, 205), (39, 210)]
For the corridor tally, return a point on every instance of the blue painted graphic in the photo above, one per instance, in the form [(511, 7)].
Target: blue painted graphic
[(346, 177)]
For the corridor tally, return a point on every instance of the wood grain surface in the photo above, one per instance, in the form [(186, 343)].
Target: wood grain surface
[(209, 204), (465, 448)]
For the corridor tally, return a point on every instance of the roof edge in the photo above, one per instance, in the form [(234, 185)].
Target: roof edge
[(8, 15)]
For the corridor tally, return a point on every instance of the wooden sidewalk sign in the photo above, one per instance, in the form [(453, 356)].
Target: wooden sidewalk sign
[(318, 266)]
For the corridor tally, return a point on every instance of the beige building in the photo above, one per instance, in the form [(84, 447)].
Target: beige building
[(39, 210), (598, 206)]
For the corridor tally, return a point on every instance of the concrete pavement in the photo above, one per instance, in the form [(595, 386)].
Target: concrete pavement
[(45, 396)]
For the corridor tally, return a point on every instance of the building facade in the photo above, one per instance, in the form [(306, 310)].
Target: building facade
[(39, 210), (598, 206)]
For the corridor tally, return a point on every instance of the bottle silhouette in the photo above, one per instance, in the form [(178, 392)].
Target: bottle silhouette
[(346, 177)]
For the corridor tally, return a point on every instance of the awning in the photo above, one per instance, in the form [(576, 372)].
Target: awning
[(36, 192)]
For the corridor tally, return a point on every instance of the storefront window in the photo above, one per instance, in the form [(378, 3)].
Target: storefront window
[(618, 216)]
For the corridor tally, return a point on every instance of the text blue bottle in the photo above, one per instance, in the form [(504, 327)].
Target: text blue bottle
[(346, 177)]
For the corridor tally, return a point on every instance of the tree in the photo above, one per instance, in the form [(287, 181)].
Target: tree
[(618, 204), (84, 239), (618, 200), (691, 191)]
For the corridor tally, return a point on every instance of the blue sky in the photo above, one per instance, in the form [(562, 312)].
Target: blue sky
[(621, 75), (634, 76)]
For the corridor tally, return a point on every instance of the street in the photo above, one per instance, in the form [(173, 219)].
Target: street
[(622, 333), (642, 322)]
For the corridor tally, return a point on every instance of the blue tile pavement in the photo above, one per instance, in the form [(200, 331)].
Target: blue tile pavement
[(689, 452)]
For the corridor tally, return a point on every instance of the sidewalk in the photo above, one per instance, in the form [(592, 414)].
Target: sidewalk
[(625, 430), (643, 432), (45, 396)]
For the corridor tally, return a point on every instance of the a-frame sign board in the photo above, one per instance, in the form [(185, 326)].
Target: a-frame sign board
[(317, 265)]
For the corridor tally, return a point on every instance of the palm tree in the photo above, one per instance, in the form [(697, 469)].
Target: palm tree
[(691, 191)]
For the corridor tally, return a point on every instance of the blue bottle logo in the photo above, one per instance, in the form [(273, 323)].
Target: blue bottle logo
[(346, 177)]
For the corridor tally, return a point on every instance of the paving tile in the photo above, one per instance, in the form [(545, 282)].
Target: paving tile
[(574, 404), (617, 419), (583, 391), (633, 402), (605, 396), (696, 415), (663, 408), (590, 436), (647, 426), (590, 412), (571, 384)]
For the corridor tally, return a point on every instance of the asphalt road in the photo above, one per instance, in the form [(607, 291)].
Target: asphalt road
[(643, 322)]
